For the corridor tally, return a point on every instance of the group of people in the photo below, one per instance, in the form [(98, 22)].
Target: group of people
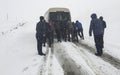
[(69, 31)]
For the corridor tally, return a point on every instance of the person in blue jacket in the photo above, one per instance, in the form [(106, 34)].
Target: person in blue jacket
[(96, 26), (79, 29)]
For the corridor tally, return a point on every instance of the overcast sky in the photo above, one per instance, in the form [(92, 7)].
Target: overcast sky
[(80, 9)]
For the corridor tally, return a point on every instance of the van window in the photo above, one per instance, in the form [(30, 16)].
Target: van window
[(59, 16)]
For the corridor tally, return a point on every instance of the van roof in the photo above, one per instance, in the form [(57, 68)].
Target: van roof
[(58, 9)]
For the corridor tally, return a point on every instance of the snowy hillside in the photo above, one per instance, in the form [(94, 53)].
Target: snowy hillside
[(18, 55)]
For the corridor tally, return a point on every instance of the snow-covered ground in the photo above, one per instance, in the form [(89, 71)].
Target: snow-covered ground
[(18, 51), (18, 54)]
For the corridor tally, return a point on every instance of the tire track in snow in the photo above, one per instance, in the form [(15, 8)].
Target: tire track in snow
[(89, 62), (106, 57), (43, 69), (47, 66), (69, 61), (98, 67), (21, 24)]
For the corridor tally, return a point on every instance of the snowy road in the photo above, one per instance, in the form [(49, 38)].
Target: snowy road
[(97, 64), (71, 63), (106, 57), (69, 56)]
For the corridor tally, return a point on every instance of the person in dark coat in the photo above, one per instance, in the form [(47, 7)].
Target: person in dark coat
[(64, 29), (75, 36), (40, 33), (103, 22), (70, 30), (58, 30), (52, 29), (104, 26), (79, 29), (98, 30)]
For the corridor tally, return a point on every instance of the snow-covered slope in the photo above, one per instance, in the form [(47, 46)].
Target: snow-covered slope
[(15, 50), (18, 53)]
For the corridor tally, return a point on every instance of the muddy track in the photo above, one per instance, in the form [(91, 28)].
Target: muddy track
[(106, 57)]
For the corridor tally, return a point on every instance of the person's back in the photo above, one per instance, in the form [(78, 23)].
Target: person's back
[(51, 23), (79, 29), (75, 32), (70, 25), (96, 26), (79, 25), (103, 22)]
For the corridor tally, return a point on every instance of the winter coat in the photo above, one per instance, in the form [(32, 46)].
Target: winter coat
[(70, 25), (96, 26), (79, 25), (104, 25), (57, 26), (41, 28), (51, 26)]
